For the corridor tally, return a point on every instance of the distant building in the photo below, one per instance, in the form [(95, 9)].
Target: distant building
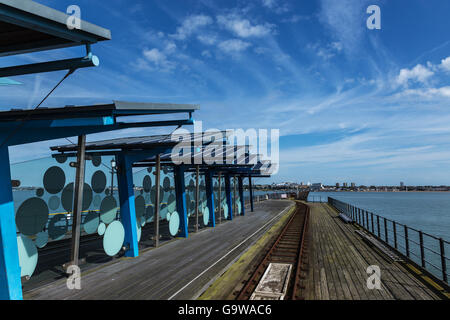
[(337, 185), (353, 185), (316, 186), (402, 184), (345, 185)]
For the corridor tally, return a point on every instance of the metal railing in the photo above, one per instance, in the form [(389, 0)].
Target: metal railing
[(424, 249)]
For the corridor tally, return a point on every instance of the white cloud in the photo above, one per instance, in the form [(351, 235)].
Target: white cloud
[(419, 74), (207, 39), (445, 64), (243, 28), (190, 25), (428, 93), (158, 59), (234, 46)]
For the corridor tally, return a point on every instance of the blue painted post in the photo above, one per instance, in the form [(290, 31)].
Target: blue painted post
[(180, 190), (250, 186), (229, 196), (210, 197), (10, 282), (127, 206), (241, 195)]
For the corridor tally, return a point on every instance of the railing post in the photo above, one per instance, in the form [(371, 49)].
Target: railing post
[(373, 227), (406, 241), (443, 260), (422, 250), (367, 219), (378, 226), (386, 231), (394, 225)]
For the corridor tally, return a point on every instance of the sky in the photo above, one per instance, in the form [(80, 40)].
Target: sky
[(352, 104)]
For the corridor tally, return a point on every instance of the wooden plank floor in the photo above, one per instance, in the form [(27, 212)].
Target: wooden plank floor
[(173, 268), (338, 260)]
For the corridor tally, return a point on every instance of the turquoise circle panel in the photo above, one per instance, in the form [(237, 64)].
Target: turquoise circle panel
[(174, 224), (101, 229), (206, 216), (41, 239), (113, 238), (91, 222), (28, 255), (108, 209)]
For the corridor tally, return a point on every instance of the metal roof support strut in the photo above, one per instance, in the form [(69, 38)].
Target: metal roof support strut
[(78, 200), (127, 205), (10, 282), (210, 198), (180, 189), (157, 198), (228, 196)]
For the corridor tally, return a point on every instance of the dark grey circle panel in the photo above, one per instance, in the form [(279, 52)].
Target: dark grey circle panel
[(98, 181), (32, 216), (54, 180)]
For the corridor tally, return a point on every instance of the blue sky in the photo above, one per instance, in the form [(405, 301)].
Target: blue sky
[(352, 104)]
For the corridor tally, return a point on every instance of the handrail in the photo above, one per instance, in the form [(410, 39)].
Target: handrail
[(415, 248)]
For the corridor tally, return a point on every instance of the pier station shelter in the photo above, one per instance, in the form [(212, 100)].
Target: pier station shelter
[(26, 26), (156, 151)]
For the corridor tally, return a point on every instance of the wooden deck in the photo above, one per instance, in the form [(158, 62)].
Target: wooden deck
[(338, 260), (181, 269)]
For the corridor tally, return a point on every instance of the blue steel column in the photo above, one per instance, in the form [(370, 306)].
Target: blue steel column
[(241, 195), (180, 190), (228, 196), (127, 206), (250, 187), (210, 197), (10, 282)]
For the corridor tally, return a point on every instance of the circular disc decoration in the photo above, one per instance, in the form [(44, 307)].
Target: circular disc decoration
[(149, 213), (41, 239), (163, 211), (225, 211), (67, 197), (61, 158), (98, 181), (97, 201), (57, 227), (165, 170), (147, 183), (91, 222), (206, 216), (39, 192), (96, 161), (171, 203), (166, 184), (32, 216), (168, 216), (139, 231), (139, 204), (108, 209), (239, 208), (113, 238), (101, 229), (54, 180), (28, 255), (54, 202), (174, 224)]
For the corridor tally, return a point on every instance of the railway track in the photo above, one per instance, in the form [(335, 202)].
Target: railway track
[(289, 247)]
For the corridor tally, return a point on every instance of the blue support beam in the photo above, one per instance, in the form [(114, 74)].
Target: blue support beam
[(250, 187), (127, 205), (228, 195), (180, 190), (210, 197), (10, 280), (241, 195)]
